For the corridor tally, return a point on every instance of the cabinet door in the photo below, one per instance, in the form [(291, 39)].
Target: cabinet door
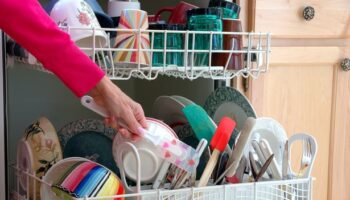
[(284, 18), (298, 91), (340, 143)]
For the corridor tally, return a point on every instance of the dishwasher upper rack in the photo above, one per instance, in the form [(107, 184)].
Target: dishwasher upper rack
[(293, 189), (256, 51)]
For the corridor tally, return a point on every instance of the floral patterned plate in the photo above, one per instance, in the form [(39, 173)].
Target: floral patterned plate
[(226, 101), (91, 139), (37, 152)]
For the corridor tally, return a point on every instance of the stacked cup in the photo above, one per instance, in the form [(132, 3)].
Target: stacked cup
[(129, 41)]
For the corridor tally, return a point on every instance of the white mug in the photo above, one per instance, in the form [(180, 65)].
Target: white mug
[(78, 14), (115, 7)]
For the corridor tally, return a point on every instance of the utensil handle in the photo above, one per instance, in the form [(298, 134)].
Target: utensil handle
[(161, 174), (90, 103), (267, 152), (209, 168)]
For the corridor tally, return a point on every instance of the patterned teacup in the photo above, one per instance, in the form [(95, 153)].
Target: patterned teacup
[(80, 19)]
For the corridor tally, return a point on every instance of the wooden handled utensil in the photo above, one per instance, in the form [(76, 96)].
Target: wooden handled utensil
[(218, 143)]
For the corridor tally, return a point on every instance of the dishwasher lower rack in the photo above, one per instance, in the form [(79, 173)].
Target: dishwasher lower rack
[(295, 189)]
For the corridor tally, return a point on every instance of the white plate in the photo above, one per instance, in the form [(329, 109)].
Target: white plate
[(24, 162), (183, 100), (150, 161), (274, 133), (169, 110)]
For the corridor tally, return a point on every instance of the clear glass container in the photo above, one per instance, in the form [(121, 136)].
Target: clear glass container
[(174, 41), (230, 10), (204, 19)]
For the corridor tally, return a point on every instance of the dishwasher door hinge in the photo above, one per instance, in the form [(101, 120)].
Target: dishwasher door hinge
[(245, 84)]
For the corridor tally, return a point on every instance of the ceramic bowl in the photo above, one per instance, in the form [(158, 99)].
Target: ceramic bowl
[(77, 177), (150, 159), (38, 150), (80, 17)]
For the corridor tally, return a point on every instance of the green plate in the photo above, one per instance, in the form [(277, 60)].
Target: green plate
[(91, 139), (226, 101)]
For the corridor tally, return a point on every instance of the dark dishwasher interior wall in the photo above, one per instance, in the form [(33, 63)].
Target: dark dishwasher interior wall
[(32, 94)]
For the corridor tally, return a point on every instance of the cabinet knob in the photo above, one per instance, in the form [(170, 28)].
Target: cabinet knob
[(309, 13), (345, 64)]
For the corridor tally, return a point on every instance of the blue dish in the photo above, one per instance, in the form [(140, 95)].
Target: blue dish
[(90, 139)]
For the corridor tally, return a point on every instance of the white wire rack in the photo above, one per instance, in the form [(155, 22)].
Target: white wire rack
[(256, 52), (296, 189)]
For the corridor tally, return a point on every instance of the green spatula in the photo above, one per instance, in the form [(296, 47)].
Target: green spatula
[(203, 126)]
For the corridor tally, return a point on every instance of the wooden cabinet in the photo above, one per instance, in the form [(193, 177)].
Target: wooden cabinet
[(305, 88), (285, 18), (302, 96), (339, 171)]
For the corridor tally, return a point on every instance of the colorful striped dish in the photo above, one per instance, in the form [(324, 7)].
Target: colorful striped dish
[(85, 178)]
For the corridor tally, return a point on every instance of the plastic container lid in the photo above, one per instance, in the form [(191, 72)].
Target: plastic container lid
[(204, 11), (225, 4)]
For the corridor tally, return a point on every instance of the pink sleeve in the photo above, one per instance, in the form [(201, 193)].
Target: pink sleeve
[(27, 23)]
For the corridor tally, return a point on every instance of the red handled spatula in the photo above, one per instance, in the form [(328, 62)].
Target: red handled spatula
[(217, 144)]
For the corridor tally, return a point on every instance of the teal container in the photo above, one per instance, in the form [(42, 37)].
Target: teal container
[(204, 19), (174, 42), (229, 9)]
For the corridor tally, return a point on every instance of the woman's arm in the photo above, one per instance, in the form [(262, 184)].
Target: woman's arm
[(29, 25)]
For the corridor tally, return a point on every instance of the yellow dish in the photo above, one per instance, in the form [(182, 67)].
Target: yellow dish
[(38, 150)]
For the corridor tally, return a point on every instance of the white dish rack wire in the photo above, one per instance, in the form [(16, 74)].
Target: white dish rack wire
[(294, 189), (256, 52)]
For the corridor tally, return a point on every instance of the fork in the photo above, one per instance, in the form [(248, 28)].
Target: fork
[(306, 158), (309, 151)]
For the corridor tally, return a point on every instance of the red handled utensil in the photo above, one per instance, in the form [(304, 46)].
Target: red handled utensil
[(218, 143)]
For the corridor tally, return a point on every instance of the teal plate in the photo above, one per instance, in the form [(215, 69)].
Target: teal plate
[(226, 101), (89, 139)]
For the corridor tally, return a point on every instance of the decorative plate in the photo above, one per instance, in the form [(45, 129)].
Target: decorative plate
[(226, 101), (91, 139), (37, 152)]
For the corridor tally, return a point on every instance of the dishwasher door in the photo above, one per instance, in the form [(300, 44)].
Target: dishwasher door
[(3, 174)]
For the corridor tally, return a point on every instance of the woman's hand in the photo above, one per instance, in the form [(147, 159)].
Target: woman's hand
[(122, 109)]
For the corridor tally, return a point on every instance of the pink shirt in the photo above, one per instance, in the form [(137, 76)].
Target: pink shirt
[(27, 23)]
